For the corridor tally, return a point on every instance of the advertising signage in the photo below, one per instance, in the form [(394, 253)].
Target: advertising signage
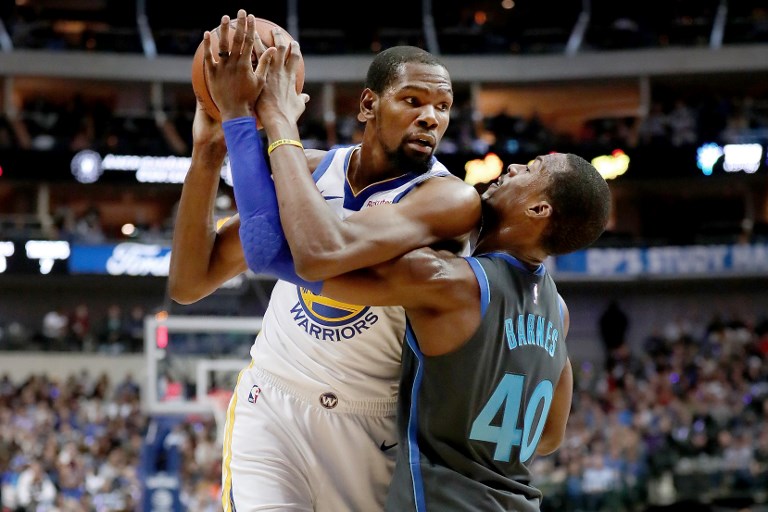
[(640, 163), (41, 257), (133, 259), (125, 259), (670, 262), (89, 167)]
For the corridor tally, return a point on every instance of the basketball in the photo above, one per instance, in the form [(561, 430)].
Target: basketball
[(199, 78)]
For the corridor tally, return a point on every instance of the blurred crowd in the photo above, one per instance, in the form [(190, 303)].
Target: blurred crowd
[(667, 136), (75, 329), (672, 120), (684, 418), (76, 445)]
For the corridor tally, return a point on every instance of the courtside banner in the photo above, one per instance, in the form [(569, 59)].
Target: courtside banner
[(124, 259), (667, 262), (41, 257)]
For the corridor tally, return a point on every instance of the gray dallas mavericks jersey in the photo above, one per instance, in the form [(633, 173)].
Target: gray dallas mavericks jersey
[(470, 421)]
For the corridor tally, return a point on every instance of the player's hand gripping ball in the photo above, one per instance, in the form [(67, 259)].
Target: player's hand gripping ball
[(200, 78)]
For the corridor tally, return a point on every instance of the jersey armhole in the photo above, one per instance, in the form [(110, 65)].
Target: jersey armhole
[(323, 165), (482, 280)]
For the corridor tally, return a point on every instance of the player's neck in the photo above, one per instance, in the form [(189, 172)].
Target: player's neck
[(355, 176), (361, 173), (497, 240)]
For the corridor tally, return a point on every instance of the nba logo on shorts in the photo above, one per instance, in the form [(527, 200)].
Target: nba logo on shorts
[(254, 394)]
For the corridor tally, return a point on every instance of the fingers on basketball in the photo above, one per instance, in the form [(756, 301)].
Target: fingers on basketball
[(263, 32)]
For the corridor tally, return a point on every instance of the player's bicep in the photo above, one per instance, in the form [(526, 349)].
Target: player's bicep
[(200, 266), (227, 258), (438, 210)]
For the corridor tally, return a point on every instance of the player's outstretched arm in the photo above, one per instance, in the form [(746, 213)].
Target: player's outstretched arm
[(201, 258)]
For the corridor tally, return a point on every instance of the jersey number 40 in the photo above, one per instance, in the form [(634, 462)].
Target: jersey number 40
[(509, 396)]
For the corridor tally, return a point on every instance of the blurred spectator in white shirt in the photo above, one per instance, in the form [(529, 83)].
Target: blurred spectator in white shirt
[(34, 488)]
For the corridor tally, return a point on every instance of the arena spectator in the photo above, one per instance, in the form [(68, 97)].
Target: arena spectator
[(55, 329), (34, 489)]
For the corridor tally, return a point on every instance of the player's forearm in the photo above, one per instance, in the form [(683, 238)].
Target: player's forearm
[(261, 234), (313, 231), (257, 234), (409, 280), (376, 235), (194, 232)]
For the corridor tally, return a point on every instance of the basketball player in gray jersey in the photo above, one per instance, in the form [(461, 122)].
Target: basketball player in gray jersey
[(486, 381)]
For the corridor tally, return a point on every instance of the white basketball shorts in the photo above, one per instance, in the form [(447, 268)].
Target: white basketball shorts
[(290, 451)]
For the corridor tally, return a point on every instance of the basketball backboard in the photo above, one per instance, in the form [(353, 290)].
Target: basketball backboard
[(193, 361)]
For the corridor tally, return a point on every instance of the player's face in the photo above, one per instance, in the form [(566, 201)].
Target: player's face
[(413, 115), (520, 183), (515, 176)]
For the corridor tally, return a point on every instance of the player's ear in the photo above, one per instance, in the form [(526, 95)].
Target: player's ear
[(541, 209), (367, 99)]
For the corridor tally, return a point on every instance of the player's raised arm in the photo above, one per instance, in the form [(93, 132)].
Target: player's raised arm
[(404, 123), (203, 258)]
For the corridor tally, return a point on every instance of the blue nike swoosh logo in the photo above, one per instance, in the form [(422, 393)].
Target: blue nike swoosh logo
[(328, 198)]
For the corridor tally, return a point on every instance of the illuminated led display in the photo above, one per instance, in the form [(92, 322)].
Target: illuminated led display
[(613, 165)]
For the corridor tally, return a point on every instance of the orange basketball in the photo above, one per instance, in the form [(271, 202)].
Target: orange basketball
[(200, 79)]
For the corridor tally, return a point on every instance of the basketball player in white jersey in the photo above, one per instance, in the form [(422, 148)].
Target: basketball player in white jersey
[(311, 425)]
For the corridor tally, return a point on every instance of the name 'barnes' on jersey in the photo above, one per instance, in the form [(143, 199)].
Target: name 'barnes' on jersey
[(529, 330)]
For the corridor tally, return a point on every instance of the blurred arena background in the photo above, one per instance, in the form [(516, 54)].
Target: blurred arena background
[(111, 394)]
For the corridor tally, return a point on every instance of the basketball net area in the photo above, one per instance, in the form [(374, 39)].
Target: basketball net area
[(193, 362)]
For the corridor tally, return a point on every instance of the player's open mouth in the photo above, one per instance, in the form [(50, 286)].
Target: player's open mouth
[(423, 145)]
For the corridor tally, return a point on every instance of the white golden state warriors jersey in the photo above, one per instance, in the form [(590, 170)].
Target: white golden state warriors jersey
[(316, 346)]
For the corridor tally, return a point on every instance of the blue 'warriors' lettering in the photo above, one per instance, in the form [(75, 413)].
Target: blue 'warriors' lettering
[(324, 333), (533, 330)]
